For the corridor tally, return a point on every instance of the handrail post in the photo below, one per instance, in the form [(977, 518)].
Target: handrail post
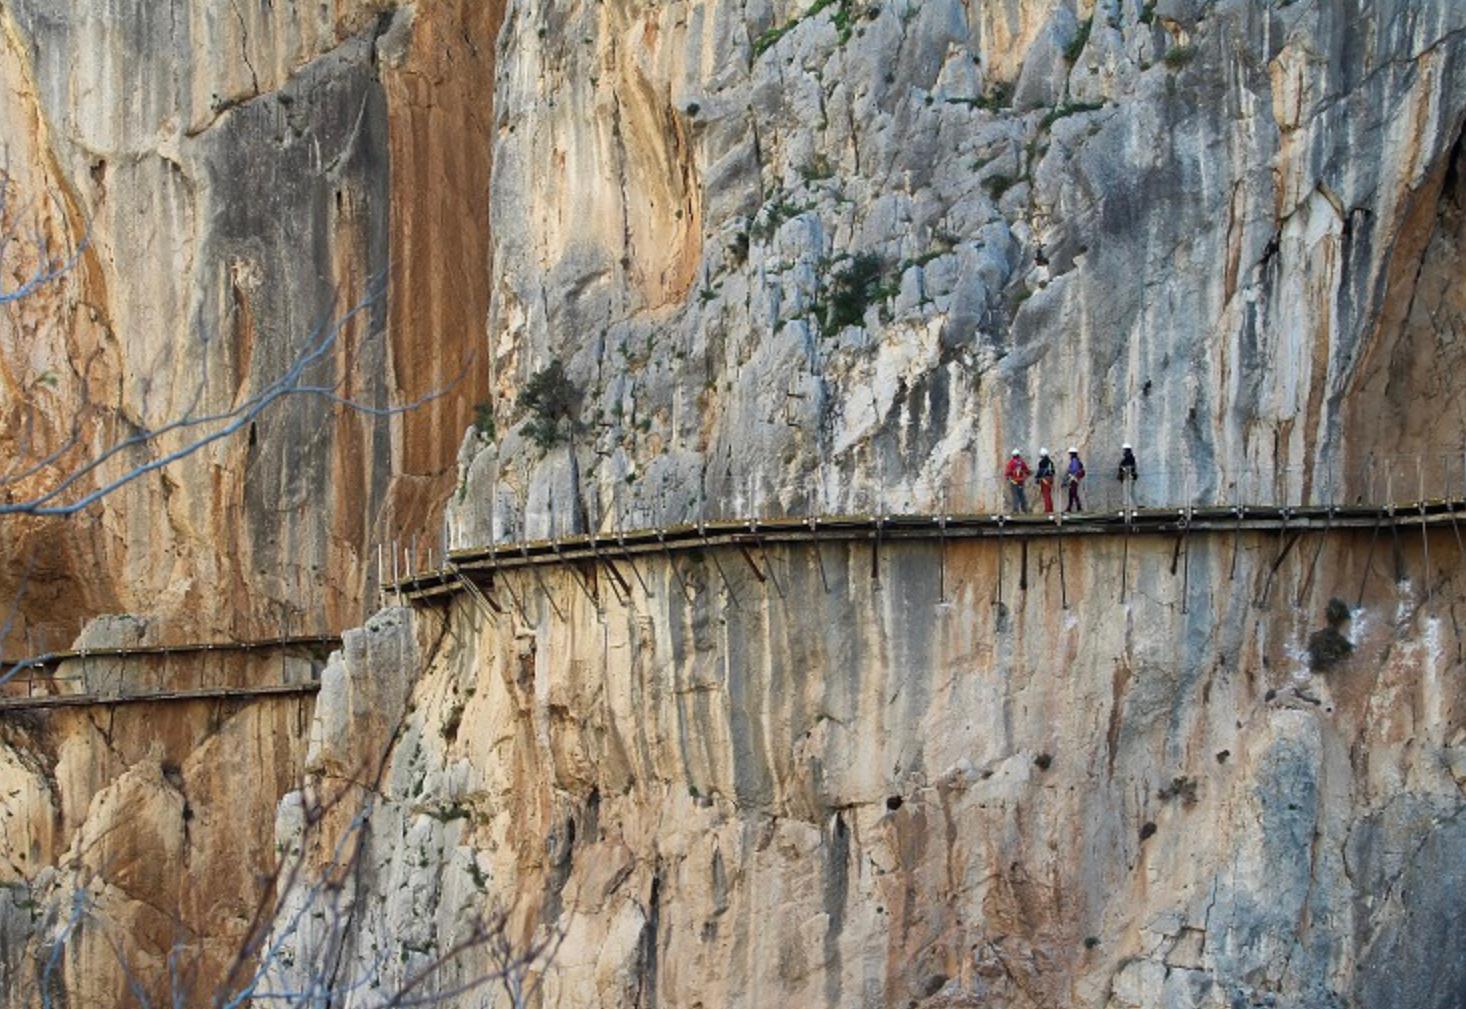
[(396, 582)]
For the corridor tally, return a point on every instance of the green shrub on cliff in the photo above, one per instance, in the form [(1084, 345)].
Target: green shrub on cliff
[(483, 421), (854, 289), (552, 401)]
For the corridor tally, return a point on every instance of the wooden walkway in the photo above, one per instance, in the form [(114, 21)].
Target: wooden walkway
[(36, 675), (747, 535), (466, 569), (158, 696), (314, 643)]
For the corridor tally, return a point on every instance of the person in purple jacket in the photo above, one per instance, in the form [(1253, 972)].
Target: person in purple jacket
[(1073, 476)]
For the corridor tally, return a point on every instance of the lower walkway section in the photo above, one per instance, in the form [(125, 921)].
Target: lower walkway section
[(152, 674)]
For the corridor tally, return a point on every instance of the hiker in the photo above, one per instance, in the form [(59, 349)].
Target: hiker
[(1017, 474), (1045, 477), (1127, 476), (1072, 478)]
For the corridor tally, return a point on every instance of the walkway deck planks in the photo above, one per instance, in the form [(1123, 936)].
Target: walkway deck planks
[(743, 534), (159, 696)]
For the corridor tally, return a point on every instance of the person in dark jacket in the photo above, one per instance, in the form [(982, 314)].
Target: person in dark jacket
[(1127, 476), (1073, 477), (1045, 476)]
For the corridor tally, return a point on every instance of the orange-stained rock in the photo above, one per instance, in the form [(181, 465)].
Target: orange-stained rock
[(275, 165)]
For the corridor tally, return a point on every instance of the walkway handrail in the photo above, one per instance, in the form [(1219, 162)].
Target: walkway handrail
[(602, 547), (30, 673), (19, 703), (48, 659)]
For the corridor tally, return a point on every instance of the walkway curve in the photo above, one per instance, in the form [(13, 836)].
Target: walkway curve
[(741, 534)]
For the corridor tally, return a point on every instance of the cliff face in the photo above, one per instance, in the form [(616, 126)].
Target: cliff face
[(1207, 224), (835, 258), (861, 793), (1227, 230), (151, 815), (241, 175)]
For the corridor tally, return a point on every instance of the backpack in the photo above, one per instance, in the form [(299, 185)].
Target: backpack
[(1080, 474)]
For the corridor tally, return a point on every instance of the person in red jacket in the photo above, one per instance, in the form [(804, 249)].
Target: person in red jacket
[(1017, 474)]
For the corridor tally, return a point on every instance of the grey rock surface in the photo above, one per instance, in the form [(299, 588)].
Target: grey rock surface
[(830, 258), (851, 791), (1203, 241)]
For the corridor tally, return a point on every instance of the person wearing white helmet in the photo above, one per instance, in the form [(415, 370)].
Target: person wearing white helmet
[(1073, 476), (1128, 475), (1017, 473), (1045, 477)]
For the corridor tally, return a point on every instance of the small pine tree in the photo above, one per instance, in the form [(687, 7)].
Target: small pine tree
[(552, 402)]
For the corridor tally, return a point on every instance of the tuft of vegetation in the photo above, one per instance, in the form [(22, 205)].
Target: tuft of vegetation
[(1178, 56), (483, 421), (855, 288), (995, 99), (816, 169), (773, 213), (843, 16), (552, 402), (843, 19), (1147, 12), (997, 185), (451, 723), (1075, 48), (766, 41), (448, 814), (1067, 109), (738, 248), (983, 160), (926, 257)]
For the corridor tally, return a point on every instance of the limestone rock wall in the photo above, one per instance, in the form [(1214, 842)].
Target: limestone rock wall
[(1210, 228), (149, 816), (239, 175), (157, 820), (864, 793), (836, 257)]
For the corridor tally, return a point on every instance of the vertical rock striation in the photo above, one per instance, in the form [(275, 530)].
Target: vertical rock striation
[(858, 793), (242, 175), (843, 257), (836, 257)]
